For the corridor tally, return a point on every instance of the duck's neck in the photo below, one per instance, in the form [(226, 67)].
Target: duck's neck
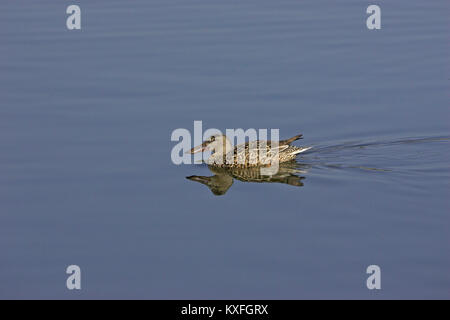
[(219, 152)]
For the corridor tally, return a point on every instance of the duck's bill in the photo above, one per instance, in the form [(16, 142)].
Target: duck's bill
[(199, 148)]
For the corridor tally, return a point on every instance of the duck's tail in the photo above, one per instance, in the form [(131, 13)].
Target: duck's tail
[(290, 140), (300, 150)]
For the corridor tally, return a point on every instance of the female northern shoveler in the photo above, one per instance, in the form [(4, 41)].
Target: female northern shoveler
[(249, 154)]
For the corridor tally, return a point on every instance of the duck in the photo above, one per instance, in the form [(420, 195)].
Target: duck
[(250, 154)]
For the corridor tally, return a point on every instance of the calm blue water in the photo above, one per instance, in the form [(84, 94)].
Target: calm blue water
[(85, 170)]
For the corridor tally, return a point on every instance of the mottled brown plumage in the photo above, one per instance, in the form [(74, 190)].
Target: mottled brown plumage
[(250, 154)]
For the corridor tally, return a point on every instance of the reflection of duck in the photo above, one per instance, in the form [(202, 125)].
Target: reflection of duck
[(250, 154), (222, 179)]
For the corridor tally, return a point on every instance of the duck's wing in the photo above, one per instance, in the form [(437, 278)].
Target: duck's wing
[(252, 153), (256, 146)]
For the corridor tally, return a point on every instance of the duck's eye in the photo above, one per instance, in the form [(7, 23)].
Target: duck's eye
[(212, 138)]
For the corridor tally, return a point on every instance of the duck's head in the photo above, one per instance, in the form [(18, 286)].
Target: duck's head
[(215, 143)]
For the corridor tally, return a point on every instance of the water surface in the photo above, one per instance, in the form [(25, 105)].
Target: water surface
[(85, 170)]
